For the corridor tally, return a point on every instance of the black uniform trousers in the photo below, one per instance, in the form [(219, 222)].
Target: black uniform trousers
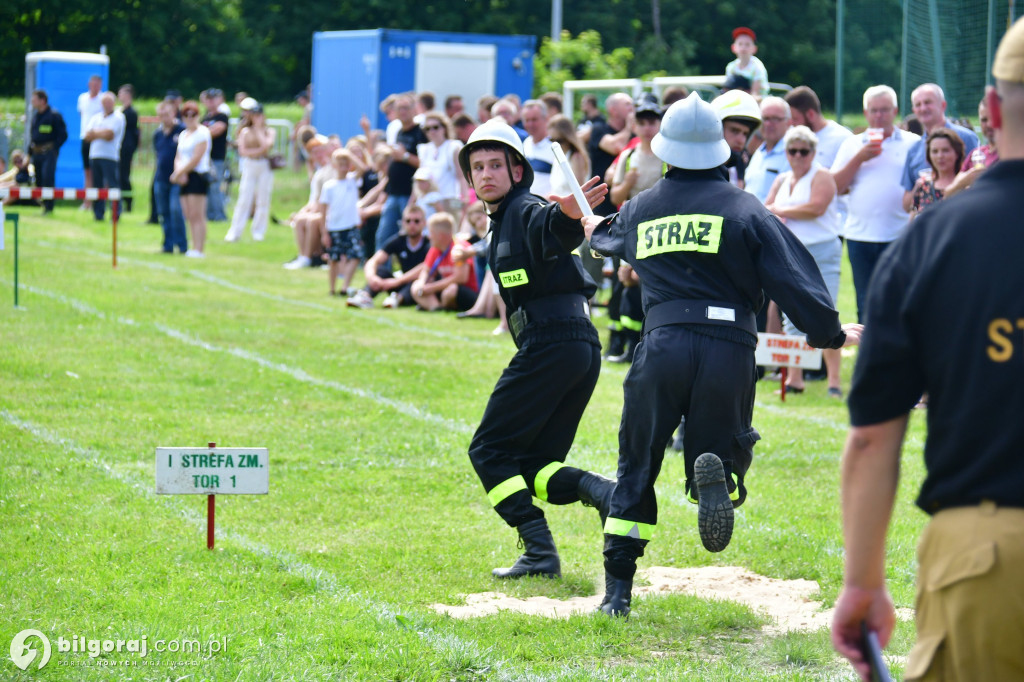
[(46, 172), (677, 372), (530, 423), (631, 310), (124, 173)]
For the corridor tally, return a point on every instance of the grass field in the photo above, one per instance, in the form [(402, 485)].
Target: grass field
[(374, 512)]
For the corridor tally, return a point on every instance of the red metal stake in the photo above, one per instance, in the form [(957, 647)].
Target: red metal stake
[(114, 206), (785, 375), (210, 506)]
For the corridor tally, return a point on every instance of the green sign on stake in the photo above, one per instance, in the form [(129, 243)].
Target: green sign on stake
[(11, 217)]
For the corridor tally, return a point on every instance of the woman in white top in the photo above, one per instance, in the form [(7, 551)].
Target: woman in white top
[(804, 199), (191, 171), (255, 140), (440, 156)]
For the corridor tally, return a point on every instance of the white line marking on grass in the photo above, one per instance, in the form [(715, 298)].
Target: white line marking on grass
[(294, 302), (446, 643), (374, 316), (404, 408), (810, 418)]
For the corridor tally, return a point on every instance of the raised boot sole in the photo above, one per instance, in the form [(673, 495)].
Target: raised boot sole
[(714, 508)]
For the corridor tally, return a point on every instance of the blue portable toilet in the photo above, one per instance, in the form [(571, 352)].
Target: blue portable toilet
[(354, 70), (64, 76)]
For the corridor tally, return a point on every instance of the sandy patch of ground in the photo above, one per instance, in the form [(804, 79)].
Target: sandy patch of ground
[(787, 602)]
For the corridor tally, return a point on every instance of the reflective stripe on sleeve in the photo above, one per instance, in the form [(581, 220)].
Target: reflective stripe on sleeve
[(628, 529), (540, 482), (506, 488)]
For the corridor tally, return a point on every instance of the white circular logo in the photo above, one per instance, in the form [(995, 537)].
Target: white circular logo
[(23, 655)]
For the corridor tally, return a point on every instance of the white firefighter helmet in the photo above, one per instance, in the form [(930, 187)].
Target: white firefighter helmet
[(691, 136)]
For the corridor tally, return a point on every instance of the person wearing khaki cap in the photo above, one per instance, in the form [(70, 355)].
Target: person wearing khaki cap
[(962, 257)]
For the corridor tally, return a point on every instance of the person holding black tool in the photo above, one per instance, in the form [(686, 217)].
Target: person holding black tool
[(49, 132), (970, 587), (707, 253), (530, 422)]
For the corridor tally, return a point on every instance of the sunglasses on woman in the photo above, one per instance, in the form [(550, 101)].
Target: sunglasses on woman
[(798, 152)]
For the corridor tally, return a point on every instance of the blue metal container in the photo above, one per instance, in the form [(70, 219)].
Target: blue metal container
[(354, 70), (64, 76)]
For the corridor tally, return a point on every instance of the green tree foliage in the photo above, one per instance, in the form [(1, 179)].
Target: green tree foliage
[(581, 57), (265, 46)]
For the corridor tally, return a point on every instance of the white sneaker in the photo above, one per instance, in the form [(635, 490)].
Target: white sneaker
[(391, 301), (191, 253), (298, 263), (361, 299), (230, 238)]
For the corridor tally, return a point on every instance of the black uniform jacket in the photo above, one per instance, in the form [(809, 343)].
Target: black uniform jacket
[(48, 128), (531, 250), (945, 314), (694, 236)]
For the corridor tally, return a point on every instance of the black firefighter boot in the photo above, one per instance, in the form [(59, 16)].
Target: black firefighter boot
[(595, 491), (630, 340), (616, 343), (618, 591), (540, 556)]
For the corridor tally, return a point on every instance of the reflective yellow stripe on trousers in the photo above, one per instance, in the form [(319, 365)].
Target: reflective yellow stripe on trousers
[(629, 529), (631, 324), (506, 488), (540, 482)]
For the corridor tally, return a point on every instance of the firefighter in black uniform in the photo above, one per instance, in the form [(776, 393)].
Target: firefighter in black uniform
[(530, 421), (961, 256), (49, 132), (706, 252)]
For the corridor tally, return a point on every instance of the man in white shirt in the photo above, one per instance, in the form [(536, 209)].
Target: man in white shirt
[(869, 166), (88, 106), (805, 109), (537, 146), (770, 158), (104, 133)]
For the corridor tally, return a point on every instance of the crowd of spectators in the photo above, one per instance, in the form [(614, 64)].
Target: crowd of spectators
[(372, 197)]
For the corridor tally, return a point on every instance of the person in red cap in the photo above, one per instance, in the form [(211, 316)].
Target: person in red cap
[(744, 46)]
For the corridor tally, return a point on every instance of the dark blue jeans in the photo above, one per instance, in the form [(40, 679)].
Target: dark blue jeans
[(390, 219), (104, 175), (863, 257), (214, 197), (168, 207)]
